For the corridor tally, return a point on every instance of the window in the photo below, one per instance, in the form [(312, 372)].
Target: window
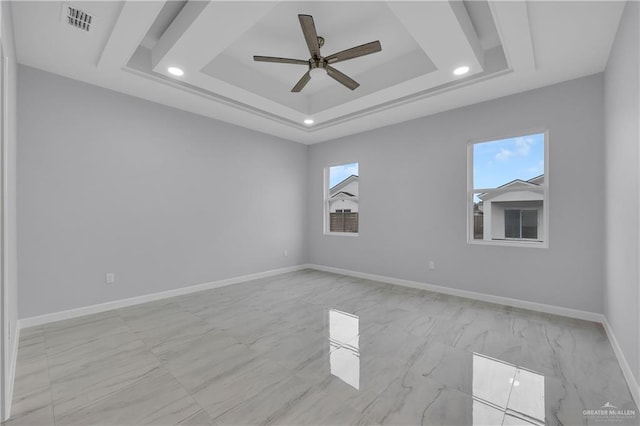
[(521, 224), (508, 191), (341, 199)]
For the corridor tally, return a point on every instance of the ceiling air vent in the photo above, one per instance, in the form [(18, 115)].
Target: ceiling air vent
[(77, 18)]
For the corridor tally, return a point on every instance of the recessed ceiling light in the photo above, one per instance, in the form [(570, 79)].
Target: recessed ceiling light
[(308, 121), (175, 71), (461, 70)]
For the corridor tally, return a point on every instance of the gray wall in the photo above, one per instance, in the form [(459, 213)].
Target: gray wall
[(10, 174), (160, 197), (104, 179), (622, 176), (413, 199)]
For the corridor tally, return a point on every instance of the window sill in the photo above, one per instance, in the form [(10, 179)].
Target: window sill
[(510, 243), (342, 234)]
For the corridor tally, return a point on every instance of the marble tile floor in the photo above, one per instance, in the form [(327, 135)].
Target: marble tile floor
[(311, 347)]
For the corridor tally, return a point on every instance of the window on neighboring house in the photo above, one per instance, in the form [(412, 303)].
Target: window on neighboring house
[(521, 224), (508, 191), (341, 199)]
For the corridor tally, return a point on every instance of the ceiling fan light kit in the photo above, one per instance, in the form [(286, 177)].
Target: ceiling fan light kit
[(318, 66), (318, 73)]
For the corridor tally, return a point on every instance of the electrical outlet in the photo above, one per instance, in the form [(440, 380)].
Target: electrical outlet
[(285, 252), (110, 278), (432, 264)]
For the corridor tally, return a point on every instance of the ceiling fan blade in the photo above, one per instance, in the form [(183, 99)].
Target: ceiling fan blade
[(302, 82), (280, 60), (342, 78), (355, 52), (310, 35)]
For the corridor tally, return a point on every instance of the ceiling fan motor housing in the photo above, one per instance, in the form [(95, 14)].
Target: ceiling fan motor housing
[(318, 63)]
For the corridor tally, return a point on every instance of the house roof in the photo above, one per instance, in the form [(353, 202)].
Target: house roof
[(533, 182), (537, 180), (348, 194), (343, 183)]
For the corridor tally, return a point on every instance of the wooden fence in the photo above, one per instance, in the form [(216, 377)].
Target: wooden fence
[(478, 227), (343, 222)]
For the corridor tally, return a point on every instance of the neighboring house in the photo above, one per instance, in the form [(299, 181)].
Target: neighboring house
[(343, 197), (513, 211)]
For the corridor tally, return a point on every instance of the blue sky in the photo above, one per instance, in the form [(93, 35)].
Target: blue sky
[(499, 162), (339, 173)]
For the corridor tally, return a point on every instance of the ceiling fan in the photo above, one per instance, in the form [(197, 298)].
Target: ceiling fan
[(319, 66)]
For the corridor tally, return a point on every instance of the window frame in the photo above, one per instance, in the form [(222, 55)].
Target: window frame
[(543, 240), (326, 208)]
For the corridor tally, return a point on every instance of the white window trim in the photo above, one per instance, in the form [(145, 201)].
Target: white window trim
[(326, 200), (544, 243)]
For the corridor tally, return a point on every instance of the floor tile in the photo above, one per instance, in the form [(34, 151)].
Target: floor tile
[(310, 347), (41, 416), (239, 384), (413, 399), (77, 383), (266, 406), (154, 399), (161, 322)]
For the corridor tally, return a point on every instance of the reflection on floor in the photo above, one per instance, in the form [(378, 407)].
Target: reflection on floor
[(311, 347), (344, 353), (512, 391)]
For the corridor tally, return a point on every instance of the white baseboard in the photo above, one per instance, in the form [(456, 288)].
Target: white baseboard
[(12, 371), (516, 303), (93, 309), (116, 304), (622, 360)]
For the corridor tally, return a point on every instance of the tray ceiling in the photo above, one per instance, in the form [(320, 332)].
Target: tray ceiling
[(508, 46)]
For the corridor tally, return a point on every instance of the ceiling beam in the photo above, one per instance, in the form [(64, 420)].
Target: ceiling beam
[(203, 30), (134, 21), (512, 23), (444, 31)]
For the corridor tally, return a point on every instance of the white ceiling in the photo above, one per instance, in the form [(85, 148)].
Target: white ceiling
[(510, 46)]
